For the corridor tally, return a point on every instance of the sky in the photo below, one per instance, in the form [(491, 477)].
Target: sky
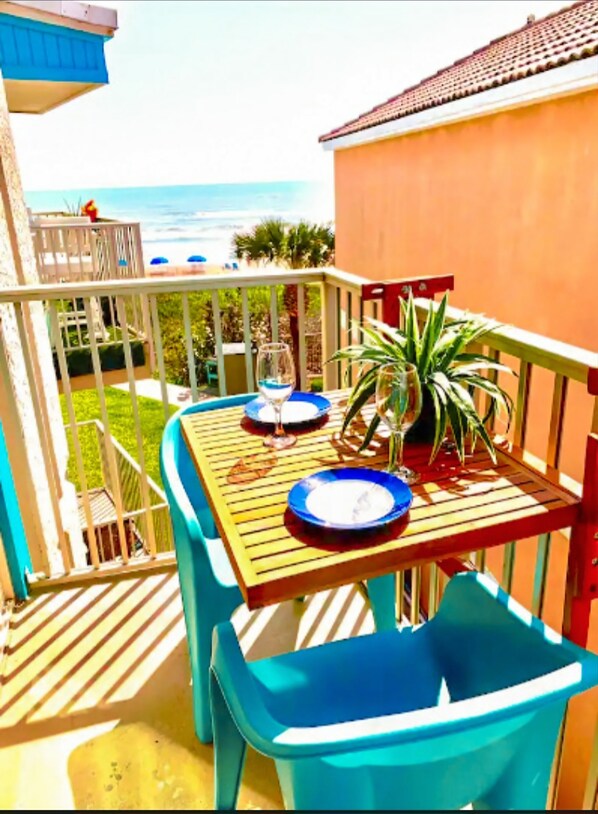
[(239, 91)]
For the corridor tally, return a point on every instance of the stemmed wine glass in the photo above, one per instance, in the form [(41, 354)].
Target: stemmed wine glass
[(399, 403), (276, 381)]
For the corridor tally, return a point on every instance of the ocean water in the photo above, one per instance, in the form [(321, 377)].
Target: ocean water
[(179, 221)]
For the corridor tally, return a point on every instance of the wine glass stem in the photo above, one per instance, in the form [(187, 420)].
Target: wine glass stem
[(396, 451), (279, 431)]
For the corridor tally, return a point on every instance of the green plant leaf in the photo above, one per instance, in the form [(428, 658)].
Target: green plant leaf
[(370, 432), (441, 418)]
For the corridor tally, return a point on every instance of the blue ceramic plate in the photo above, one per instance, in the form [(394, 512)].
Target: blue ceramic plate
[(350, 499), (301, 408)]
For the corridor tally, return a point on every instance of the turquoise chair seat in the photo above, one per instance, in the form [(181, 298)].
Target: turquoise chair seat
[(464, 709), (209, 588)]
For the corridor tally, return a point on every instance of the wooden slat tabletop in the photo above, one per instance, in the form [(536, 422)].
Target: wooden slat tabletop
[(276, 556)]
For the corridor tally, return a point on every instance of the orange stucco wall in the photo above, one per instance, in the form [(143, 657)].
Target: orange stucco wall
[(507, 203)]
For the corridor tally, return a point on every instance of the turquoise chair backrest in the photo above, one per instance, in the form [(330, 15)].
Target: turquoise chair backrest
[(178, 469), (483, 690), (208, 587)]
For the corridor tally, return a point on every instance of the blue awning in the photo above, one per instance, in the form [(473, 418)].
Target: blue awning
[(34, 54)]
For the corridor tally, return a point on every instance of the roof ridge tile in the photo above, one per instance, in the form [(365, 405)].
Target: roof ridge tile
[(544, 48)]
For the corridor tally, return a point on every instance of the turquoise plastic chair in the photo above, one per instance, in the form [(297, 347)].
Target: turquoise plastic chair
[(464, 709), (208, 584)]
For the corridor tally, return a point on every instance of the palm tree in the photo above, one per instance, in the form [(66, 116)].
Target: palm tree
[(293, 245)]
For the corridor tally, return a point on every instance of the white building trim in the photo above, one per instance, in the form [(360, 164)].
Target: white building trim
[(575, 77), (68, 13)]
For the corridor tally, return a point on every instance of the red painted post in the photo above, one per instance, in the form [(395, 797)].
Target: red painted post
[(582, 568), (392, 291)]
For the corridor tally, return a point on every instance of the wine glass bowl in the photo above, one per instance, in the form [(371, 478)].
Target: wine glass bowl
[(399, 403), (275, 374)]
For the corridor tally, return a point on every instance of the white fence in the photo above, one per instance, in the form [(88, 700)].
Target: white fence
[(81, 252)]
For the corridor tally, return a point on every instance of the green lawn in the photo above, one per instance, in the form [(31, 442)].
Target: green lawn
[(122, 428)]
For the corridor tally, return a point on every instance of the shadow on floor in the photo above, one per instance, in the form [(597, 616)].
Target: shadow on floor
[(95, 697)]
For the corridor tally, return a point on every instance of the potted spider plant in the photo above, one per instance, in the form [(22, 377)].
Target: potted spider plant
[(449, 375)]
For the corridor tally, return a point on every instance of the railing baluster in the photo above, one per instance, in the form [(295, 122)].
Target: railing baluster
[(400, 596), (274, 312), (301, 328), (480, 560), (218, 340), (189, 346), (146, 331), (92, 542), (65, 324), (93, 249), (82, 274), (557, 419), (508, 567), (112, 464), (138, 430), (67, 252), (519, 435), (77, 323), (493, 377), (434, 593), (540, 574), (553, 454), (113, 319), (329, 335), (349, 335), (159, 355), (113, 250), (339, 330), (525, 376), (247, 340), (52, 236), (416, 587)]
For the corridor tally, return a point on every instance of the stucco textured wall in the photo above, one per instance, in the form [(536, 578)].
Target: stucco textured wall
[(17, 266), (507, 203)]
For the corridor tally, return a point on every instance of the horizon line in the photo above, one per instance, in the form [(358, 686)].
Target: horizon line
[(170, 186)]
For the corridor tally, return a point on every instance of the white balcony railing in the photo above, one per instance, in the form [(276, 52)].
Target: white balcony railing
[(81, 251)]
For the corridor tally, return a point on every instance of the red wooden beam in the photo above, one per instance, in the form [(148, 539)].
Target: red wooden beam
[(593, 381), (392, 291), (582, 568), (453, 565)]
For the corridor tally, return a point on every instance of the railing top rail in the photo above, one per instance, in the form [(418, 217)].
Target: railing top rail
[(115, 224), (345, 279), (160, 285), (578, 364)]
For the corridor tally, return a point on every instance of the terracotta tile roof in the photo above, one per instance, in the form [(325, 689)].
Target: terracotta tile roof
[(561, 37)]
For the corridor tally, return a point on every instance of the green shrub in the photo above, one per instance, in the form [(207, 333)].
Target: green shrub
[(112, 357)]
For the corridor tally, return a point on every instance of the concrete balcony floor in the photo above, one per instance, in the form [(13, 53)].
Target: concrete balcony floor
[(95, 700)]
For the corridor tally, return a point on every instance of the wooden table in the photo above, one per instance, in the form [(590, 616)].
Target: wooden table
[(276, 556)]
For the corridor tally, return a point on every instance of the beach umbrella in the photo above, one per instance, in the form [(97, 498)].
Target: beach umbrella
[(196, 258), (157, 261)]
